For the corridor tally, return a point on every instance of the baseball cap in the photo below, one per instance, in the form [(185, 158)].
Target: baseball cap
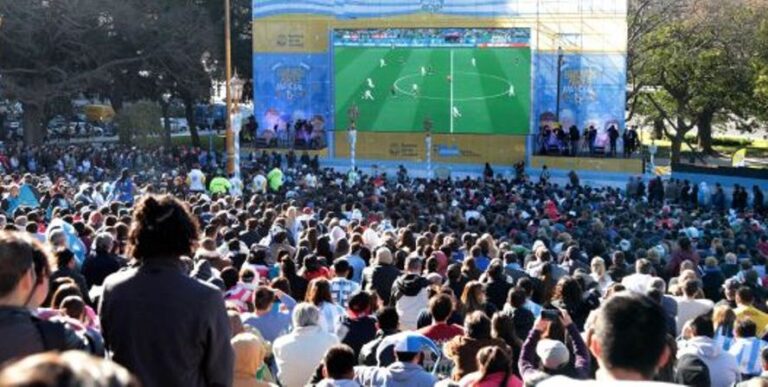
[(553, 353), (412, 342)]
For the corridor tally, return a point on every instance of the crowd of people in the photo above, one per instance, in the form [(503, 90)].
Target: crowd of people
[(559, 141), (124, 266)]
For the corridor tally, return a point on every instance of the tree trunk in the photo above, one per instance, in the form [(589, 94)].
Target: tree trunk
[(677, 143), (189, 112), (123, 134), (166, 125), (704, 124), (34, 128)]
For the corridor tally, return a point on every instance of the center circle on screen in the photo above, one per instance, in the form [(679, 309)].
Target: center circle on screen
[(403, 85)]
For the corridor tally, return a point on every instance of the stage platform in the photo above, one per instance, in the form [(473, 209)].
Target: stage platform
[(594, 164), (447, 148)]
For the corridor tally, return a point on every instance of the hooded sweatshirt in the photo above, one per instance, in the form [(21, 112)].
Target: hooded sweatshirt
[(723, 368), (409, 298), (398, 374)]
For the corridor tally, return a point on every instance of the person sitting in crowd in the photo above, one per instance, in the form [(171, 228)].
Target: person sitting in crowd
[(297, 353), (698, 341), (270, 321), (357, 327), (444, 253), (541, 358), (339, 367), (462, 350), (405, 371), (409, 294)]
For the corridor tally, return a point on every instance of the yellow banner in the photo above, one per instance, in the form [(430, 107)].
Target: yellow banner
[(300, 36), (740, 158)]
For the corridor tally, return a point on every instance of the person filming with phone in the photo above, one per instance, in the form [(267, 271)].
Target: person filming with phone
[(545, 354)]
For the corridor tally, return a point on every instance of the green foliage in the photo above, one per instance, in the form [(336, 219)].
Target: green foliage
[(140, 119), (697, 64)]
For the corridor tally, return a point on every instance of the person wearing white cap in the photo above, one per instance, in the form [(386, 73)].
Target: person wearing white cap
[(405, 371), (541, 358)]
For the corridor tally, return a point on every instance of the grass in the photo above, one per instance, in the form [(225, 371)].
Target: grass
[(480, 92)]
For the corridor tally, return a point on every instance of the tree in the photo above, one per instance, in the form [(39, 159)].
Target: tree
[(51, 50), (698, 65), (182, 33), (139, 119)]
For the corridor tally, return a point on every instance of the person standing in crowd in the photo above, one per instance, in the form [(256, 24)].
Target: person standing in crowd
[(196, 179), (123, 190), (161, 233), (101, 262)]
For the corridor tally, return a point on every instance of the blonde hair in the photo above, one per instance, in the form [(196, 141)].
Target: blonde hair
[(249, 354), (723, 316)]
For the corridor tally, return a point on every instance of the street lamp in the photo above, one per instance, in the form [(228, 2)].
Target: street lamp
[(233, 132), (428, 145), (559, 82)]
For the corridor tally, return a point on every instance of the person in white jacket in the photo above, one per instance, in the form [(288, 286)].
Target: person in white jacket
[(409, 294), (298, 353), (699, 341)]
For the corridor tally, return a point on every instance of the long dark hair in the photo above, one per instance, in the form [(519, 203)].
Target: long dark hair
[(319, 292), (162, 228)]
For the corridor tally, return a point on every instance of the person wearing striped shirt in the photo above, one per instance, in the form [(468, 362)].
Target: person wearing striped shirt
[(747, 348), (341, 287)]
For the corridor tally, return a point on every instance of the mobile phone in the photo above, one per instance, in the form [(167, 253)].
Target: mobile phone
[(550, 314)]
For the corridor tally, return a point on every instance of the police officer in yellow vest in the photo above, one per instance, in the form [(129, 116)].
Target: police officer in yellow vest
[(219, 185)]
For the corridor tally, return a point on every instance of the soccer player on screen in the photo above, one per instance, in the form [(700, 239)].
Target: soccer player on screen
[(423, 71), (370, 83), (382, 63), (474, 62), (367, 95), (415, 89), (455, 112)]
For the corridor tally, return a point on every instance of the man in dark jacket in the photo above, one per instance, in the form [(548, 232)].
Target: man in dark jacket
[(387, 322), (382, 275), (165, 327), (574, 135), (66, 267), (101, 263), (251, 234), (613, 136), (23, 286)]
